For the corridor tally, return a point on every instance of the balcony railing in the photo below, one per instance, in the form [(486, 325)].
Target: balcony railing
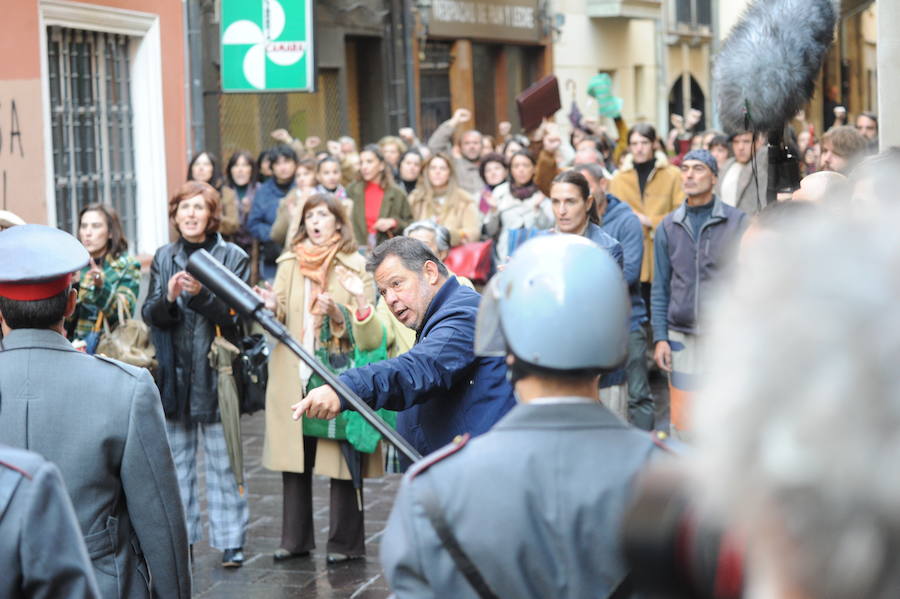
[(628, 9)]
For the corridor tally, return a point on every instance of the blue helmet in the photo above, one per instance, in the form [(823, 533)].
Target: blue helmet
[(560, 304)]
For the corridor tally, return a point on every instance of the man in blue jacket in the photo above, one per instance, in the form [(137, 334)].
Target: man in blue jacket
[(533, 508), (692, 247), (619, 221), (440, 387), (265, 206)]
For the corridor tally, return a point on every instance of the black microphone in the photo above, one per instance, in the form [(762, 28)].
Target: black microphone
[(228, 287)]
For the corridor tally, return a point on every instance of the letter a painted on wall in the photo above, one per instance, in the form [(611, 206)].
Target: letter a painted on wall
[(267, 45)]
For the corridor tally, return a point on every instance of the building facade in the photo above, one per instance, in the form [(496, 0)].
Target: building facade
[(479, 55), (93, 109), (659, 54), (364, 70)]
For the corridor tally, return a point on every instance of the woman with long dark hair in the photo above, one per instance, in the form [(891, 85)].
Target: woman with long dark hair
[(184, 317), (439, 198), (264, 166), (517, 204), (493, 172), (380, 209), (204, 167), (111, 278), (410, 168), (237, 198)]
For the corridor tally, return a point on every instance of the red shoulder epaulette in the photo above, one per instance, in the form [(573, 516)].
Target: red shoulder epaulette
[(16, 469), (659, 438), (431, 459)]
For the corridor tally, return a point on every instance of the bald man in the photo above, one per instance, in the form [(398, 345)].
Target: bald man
[(821, 186)]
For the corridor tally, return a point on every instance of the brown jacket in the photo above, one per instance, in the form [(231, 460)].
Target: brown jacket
[(663, 193), (230, 222), (545, 171), (458, 213), (283, 442)]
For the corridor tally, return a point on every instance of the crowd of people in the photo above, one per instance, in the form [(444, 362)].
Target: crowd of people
[(347, 247)]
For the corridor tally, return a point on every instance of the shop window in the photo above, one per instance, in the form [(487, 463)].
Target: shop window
[(92, 125)]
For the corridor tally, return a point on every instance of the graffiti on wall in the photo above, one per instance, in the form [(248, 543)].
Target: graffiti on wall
[(22, 168), (10, 142)]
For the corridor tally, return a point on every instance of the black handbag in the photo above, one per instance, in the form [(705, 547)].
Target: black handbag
[(270, 251), (251, 372)]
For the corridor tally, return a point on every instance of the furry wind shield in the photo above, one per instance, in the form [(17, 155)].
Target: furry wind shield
[(768, 64)]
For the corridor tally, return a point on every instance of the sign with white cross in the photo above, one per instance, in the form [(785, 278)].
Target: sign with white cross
[(267, 45)]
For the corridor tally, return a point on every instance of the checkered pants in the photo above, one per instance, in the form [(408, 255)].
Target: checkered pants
[(227, 509)]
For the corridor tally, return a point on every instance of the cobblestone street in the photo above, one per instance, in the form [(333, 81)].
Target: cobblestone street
[(262, 577)]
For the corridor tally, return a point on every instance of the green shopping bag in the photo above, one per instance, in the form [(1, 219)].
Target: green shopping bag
[(348, 426)]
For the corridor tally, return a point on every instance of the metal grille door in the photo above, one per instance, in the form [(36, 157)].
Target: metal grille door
[(434, 82), (91, 116), (246, 120)]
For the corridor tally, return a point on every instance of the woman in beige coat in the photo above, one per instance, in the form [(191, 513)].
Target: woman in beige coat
[(307, 297), (439, 198)]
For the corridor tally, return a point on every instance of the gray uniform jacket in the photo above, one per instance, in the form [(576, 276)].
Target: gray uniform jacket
[(535, 503), (100, 421), (42, 553)]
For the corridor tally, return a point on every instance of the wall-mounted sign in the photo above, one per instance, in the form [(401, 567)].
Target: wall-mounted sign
[(267, 45), (500, 20)]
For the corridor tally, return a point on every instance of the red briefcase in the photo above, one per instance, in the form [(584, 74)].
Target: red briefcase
[(471, 260), (538, 102)]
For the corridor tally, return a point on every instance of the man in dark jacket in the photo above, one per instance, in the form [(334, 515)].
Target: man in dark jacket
[(692, 247), (265, 206), (533, 508), (619, 221), (441, 388)]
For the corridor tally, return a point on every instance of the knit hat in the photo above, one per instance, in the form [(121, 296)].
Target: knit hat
[(705, 157)]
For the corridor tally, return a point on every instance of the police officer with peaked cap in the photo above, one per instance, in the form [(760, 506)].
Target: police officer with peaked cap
[(531, 508), (42, 553), (99, 420)]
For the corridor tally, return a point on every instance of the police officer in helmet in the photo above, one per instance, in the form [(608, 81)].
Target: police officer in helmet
[(533, 507)]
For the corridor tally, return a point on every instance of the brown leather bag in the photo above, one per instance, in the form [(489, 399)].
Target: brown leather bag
[(129, 342)]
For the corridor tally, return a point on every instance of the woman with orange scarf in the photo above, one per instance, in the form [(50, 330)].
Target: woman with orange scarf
[(309, 298)]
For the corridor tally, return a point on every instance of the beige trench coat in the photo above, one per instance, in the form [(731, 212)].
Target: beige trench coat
[(283, 442), (459, 213)]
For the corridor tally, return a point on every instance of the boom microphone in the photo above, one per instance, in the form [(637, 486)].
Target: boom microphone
[(229, 288), (767, 67)]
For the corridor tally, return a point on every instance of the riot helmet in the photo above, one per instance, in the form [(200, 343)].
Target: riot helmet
[(561, 304)]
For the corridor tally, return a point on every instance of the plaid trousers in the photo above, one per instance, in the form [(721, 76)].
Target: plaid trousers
[(227, 509)]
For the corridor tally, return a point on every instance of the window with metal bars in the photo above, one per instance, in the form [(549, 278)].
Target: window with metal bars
[(693, 12), (92, 125)]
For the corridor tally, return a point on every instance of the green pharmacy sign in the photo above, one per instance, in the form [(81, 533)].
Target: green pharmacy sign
[(267, 45)]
